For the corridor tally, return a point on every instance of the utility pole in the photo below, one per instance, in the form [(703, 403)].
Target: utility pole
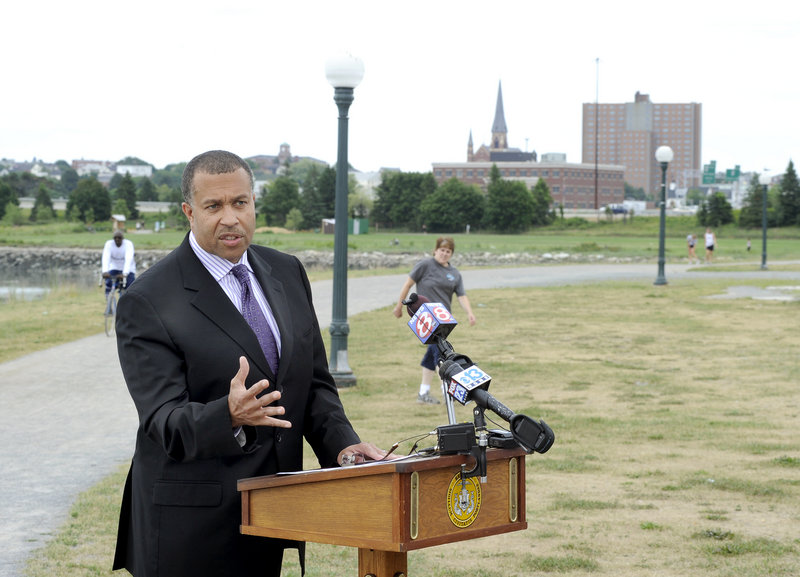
[(596, 131)]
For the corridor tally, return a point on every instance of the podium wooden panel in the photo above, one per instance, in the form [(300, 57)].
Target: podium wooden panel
[(385, 509)]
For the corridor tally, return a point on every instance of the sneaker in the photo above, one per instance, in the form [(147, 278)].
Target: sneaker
[(427, 399)]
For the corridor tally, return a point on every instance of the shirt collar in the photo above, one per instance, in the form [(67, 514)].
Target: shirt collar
[(217, 266)]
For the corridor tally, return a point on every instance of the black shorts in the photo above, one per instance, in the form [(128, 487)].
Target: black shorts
[(431, 358), (710, 247)]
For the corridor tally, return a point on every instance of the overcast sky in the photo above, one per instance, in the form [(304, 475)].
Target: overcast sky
[(166, 80)]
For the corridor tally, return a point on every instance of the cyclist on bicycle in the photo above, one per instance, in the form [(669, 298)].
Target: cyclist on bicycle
[(118, 260)]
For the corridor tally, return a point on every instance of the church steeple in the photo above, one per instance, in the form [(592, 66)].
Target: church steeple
[(499, 130), (470, 152)]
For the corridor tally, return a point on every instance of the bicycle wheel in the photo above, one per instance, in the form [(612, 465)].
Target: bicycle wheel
[(111, 312)]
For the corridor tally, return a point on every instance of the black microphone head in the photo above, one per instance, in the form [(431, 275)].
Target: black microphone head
[(414, 301), (531, 435), (452, 366), (412, 298)]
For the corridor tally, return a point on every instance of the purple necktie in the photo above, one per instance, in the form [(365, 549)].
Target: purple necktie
[(254, 316)]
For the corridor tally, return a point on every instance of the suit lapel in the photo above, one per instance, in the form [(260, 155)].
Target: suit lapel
[(212, 301)]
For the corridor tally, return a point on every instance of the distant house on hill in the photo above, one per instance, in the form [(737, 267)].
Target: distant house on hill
[(135, 170), (102, 168), (266, 165)]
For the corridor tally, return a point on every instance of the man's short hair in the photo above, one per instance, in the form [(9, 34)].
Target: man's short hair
[(212, 162), (117, 234)]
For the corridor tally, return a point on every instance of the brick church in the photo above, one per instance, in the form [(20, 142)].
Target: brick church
[(573, 185)]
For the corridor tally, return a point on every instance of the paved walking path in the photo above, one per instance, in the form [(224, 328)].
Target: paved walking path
[(66, 420)]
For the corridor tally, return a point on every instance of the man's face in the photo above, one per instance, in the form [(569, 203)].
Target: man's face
[(118, 240), (222, 214)]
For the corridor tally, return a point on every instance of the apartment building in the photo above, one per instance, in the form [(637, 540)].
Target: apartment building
[(629, 133)]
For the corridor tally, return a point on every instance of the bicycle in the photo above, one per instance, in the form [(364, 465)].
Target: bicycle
[(110, 312)]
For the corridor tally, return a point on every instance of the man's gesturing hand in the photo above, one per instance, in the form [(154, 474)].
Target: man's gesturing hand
[(246, 408)]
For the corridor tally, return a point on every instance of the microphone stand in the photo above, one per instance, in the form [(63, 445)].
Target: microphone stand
[(479, 450), (474, 439), (446, 353), (476, 449), (449, 405)]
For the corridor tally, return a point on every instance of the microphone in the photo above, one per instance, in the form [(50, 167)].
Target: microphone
[(431, 322), (467, 382), (413, 302), (532, 435)]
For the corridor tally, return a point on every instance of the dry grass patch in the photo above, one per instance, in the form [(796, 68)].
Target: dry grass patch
[(677, 425), (674, 413), (66, 313)]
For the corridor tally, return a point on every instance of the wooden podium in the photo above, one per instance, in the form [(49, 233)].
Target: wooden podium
[(389, 508)]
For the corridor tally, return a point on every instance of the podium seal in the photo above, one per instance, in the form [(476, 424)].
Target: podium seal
[(463, 501)]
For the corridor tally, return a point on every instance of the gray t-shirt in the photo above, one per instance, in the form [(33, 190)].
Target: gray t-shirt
[(436, 282)]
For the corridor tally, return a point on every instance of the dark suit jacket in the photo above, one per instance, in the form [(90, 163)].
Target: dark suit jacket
[(179, 339)]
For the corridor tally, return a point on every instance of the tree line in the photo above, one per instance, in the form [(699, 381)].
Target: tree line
[(301, 198), (783, 204), (414, 201), (88, 200), (304, 193)]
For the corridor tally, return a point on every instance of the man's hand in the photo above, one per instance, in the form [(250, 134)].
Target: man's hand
[(360, 453), (247, 409)]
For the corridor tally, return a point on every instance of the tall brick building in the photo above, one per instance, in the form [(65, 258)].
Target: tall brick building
[(628, 134), (575, 186)]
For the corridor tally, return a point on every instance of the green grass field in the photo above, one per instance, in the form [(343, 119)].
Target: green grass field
[(676, 418), (677, 447), (636, 238)]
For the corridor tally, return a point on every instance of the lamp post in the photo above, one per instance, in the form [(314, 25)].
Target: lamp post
[(764, 179), (344, 72), (664, 157)]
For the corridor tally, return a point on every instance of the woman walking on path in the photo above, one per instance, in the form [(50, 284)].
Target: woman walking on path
[(436, 280)]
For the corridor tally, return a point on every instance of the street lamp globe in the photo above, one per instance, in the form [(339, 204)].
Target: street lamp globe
[(764, 179), (664, 154), (344, 70)]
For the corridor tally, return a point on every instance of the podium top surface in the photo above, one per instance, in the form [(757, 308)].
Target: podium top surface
[(403, 465)]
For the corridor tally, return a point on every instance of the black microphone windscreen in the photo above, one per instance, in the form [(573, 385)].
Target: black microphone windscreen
[(412, 298), (414, 301)]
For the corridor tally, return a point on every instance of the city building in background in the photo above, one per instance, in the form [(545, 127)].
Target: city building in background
[(135, 170), (629, 133), (498, 150), (573, 186)]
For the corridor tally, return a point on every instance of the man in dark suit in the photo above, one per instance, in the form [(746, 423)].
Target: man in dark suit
[(211, 410)]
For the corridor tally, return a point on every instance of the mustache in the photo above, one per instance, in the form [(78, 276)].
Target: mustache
[(233, 230)]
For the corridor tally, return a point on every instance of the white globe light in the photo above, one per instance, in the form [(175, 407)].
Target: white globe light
[(344, 71), (664, 154), (764, 178)]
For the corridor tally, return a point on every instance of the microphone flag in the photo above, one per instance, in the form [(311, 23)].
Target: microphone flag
[(430, 321)]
